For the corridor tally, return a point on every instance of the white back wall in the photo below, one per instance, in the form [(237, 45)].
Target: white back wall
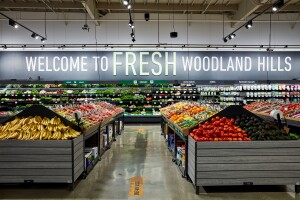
[(114, 30)]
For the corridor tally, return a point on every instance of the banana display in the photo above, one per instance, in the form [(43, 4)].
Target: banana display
[(37, 128)]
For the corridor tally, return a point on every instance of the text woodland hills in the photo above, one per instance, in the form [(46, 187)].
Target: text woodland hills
[(157, 63)]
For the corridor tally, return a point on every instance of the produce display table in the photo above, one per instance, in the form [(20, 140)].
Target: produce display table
[(41, 161), (244, 163), (182, 134)]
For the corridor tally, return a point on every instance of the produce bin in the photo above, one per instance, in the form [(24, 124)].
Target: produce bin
[(244, 163), (41, 161)]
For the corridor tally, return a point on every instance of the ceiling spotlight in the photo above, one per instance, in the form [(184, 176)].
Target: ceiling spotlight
[(231, 36), (130, 24), (4, 46), (132, 35), (33, 35), (133, 40), (147, 16), (125, 2), (249, 24), (43, 40), (225, 39), (277, 5), (129, 6), (13, 23)]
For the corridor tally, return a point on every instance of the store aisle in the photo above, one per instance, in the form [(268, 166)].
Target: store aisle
[(140, 151)]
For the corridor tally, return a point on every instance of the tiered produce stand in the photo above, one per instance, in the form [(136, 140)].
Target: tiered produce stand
[(243, 162), (219, 150), (56, 159), (95, 118), (181, 118)]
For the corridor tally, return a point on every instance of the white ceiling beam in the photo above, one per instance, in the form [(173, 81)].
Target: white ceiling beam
[(246, 8), (90, 6)]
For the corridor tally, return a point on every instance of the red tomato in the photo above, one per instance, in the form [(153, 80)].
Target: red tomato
[(229, 139), (217, 118), (240, 139), (220, 139), (206, 123), (234, 135), (234, 139), (211, 139), (230, 134), (226, 135), (222, 124), (215, 139), (245, 135), (221, 135), (232, 120), (192, 134), (240, 135), (213, 119)]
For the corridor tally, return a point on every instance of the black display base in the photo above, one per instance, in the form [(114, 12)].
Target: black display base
[(142, 119)]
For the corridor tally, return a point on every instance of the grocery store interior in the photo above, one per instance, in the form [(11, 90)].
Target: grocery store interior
[(144, 99)]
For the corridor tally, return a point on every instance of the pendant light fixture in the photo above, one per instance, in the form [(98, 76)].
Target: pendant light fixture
[(277, 5), (173, 34)]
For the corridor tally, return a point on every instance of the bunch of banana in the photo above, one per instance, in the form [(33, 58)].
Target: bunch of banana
[(37, 128)]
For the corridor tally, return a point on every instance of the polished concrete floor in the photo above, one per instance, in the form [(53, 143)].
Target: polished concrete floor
[(141, 151)]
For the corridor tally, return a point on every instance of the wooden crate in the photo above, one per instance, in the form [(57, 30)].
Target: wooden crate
[(243, 163), (41, 161)]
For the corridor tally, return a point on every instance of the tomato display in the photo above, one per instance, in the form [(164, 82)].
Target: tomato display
[(219, 129)]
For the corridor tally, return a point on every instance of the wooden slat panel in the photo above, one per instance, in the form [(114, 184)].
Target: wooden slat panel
[(77, 174), (36, 143), (250, 167), (249, 159), (249, 145), (191, 142), (36, 172), (79, 167), (36, 158), (248, 174), (191, 154), (191, 173), (34, 165), (78, 153), (35, 151), (248, 152), (255, 181), (78, 140), (79, 146), (78, 160), (36, 179)]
